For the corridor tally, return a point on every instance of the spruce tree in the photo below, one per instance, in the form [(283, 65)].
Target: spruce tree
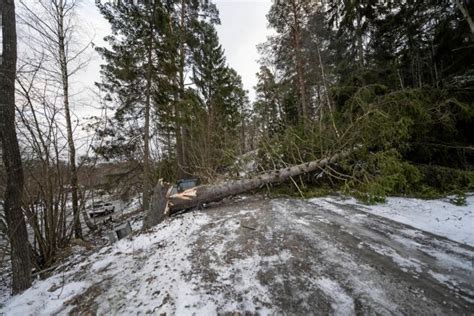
[(136, 76), (221, 95)]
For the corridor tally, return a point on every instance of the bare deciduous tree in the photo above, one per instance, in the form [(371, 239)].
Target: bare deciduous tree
[(52, 21), (40, 133)]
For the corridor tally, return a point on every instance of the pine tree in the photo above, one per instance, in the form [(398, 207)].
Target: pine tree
[(289, 19)]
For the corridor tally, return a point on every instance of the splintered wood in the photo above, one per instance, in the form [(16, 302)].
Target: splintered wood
[(188, 194)]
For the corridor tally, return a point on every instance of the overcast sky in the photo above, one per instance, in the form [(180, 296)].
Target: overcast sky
[(243, 26)]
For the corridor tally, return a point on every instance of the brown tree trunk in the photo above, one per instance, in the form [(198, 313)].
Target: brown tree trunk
[(20, 249), (179, 139), (70, 138), (303, 110), (92, 227), (326, 89), (181, 148), (360, 41), (158, 206), (146, 138), (212, 193), (146, 145)]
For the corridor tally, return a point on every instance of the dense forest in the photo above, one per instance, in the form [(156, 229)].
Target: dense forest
[(392, 82), (395, 78)]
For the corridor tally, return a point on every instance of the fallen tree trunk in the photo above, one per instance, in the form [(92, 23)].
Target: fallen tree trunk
[(213, 193)]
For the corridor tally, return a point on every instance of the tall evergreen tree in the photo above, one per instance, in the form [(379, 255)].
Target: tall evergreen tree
[(221, 94), (289, 19), (184, 41), (186, 17), (137, 74), (267, 106)]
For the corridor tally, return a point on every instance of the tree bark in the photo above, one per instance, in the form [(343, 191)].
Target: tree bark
[(466, 15), (212, 193), (17, 233), (70, 138), (146, 138), (158, 206), (180, 149), (296, 27), (360, 39), (326, 89), (92, 227)]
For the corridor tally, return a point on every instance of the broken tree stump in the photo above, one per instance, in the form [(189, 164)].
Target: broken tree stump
[(158, 206)]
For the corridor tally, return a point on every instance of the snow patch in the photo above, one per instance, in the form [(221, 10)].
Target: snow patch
[(342, 304), (44, 298), (405, 263), (439, 217)]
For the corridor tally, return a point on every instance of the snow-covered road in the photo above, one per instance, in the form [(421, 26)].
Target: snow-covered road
[(258, 256)]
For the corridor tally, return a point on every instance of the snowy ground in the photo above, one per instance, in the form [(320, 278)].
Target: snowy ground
[(439, 217), (257, 256)]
